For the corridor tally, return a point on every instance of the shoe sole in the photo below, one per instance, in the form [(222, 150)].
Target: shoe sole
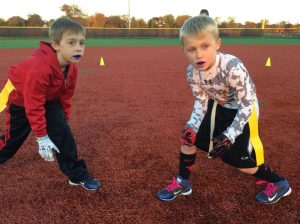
[(184, 194), (74, 184), (289, 191)]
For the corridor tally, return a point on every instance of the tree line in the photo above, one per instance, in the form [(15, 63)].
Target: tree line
[(117, 21)]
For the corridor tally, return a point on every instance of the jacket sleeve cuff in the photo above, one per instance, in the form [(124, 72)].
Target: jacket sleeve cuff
[(41, 133)]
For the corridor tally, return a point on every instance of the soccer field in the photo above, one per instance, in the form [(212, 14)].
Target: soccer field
[(126, 119), (90, 42)]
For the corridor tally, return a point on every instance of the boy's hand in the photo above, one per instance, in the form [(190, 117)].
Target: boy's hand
[(188, 137), (45, 148), (221, 145)]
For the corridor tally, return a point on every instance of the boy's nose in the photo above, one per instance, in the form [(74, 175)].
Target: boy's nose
[(79, 47), (198, 54)]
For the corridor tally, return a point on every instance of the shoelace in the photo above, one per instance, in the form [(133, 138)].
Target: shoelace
[(269, 189), (173, 185)]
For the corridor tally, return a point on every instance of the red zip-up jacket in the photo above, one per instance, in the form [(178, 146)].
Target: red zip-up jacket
[(37, 79)]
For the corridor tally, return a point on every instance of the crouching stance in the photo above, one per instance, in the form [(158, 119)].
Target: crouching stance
[(37, 96), (224, 121)]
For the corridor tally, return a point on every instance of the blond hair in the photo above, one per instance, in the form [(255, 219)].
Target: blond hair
[(199, 26), (62, 25)]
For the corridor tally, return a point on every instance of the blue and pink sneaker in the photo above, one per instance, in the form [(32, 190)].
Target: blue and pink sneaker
[(273, 191), (177, 186)]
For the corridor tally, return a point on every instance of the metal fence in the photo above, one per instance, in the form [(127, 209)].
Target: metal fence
[(280, 33), (28, 32)]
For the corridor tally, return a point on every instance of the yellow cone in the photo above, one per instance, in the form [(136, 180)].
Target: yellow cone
[(268, 63), (102, 62)]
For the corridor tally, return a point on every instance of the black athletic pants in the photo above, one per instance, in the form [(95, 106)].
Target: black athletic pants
[(59, 132)]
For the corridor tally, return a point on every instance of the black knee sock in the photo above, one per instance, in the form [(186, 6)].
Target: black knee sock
[(265, 172), (186, 164)]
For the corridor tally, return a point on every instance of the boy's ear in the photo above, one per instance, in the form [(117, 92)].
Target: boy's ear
[(218, 43), (54, 45)]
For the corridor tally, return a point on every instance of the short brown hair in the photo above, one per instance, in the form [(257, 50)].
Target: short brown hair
[(63, 24)]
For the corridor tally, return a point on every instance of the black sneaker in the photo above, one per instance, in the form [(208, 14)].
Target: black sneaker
[(90, 183)]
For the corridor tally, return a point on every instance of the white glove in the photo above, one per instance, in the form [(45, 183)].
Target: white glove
[(45, 148)]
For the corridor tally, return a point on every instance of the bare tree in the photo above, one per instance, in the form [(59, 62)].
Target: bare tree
[(2, 22), (97, 20), (169, 21), (231, 22), (142, 23), (181, 19), (75, 13), (114, 22), (34, 20), (16, 21), (249, 24)]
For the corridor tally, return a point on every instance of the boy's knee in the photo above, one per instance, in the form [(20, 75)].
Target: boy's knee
[(188, 150), (252, 170)]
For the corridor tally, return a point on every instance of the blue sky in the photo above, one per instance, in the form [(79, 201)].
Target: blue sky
[(250, 10)]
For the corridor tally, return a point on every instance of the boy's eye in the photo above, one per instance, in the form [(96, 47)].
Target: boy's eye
[(82, 43)]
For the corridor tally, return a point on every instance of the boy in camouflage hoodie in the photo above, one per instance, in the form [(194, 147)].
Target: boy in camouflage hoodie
[(224, 121)]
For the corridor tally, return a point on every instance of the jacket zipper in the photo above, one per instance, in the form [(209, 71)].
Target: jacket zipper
[(61, 89)]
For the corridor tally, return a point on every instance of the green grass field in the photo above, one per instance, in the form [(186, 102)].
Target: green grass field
[(33, 43)]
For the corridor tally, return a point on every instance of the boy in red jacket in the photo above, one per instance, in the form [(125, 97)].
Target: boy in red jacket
[(37, 96)]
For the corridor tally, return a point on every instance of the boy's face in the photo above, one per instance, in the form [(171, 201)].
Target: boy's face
[(70, 49), (201, 52)]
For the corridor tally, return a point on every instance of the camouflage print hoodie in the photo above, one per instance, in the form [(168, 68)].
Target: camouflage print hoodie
[(229, 83)]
